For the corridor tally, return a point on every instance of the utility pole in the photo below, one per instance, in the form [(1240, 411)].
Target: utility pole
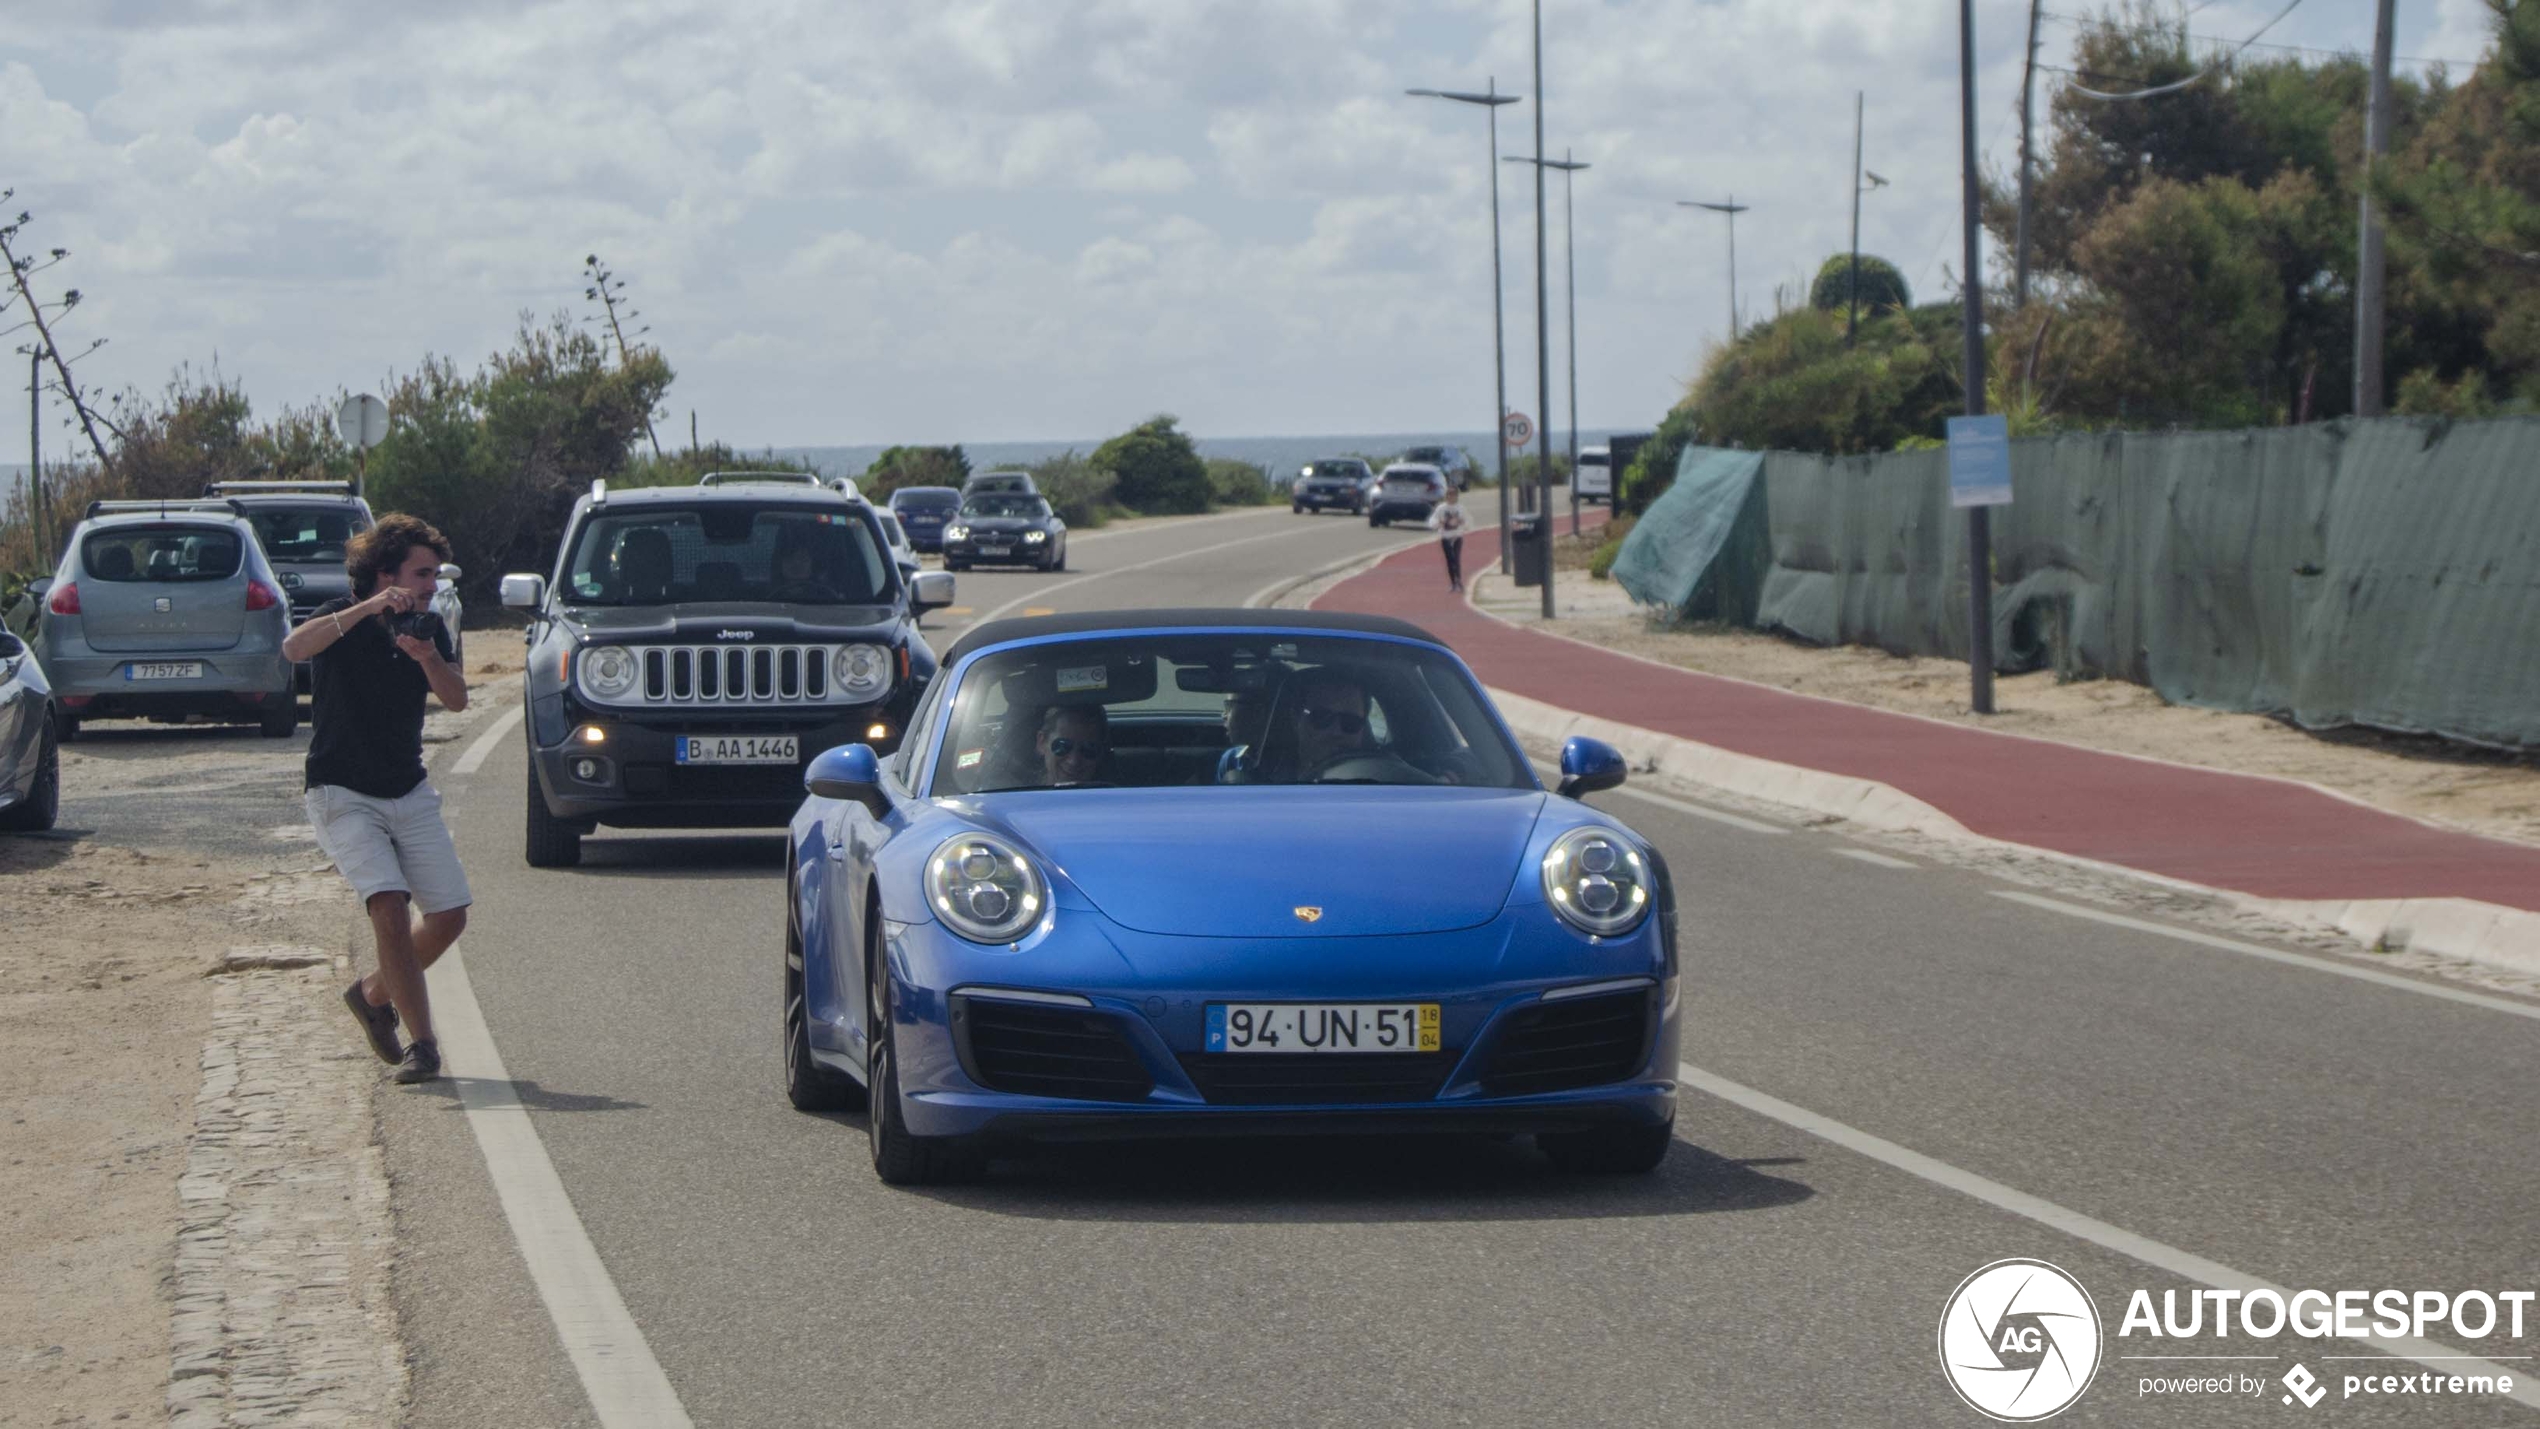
[(1543, 340), (1852, 305), (2028, 162), (2370, 267), (35, 448), (1979, 523)]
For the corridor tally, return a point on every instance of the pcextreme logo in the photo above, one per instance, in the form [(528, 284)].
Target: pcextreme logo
[(2019, 1341)]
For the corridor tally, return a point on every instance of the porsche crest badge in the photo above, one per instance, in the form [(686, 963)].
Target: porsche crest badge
[(1308, 913)]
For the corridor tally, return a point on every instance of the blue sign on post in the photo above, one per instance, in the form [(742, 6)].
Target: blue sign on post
[(1979, 461)]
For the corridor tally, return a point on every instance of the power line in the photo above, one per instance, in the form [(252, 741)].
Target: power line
[(2211, 66), (2079, 22)]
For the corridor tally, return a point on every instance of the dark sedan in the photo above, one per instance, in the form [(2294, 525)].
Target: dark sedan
[(924, 512), (1006, 530), (1335, 485), (30, 753)]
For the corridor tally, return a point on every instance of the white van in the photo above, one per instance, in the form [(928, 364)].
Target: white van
[(1596, 475)]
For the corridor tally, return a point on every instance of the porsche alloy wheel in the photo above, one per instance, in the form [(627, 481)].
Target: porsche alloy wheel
[(901, 1158), (1609, 1151), (809, 1086)]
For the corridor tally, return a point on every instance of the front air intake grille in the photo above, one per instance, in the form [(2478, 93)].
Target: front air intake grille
[(1556, 1046), (1315, 1079), (710, 675), (1038, 1051)]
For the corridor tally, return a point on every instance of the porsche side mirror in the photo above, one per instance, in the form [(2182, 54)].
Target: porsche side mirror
[(1590, 765), (933, 591), (524, 592), (850, 772)]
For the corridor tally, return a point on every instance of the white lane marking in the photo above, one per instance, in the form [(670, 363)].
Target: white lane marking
[(474, 758), (1875, 860), (1735, 821), (1290, 582), (625, 1383), (1040, 592), (2183, 1264), (2317, 965)]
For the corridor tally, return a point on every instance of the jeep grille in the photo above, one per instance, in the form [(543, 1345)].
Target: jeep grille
[(690, 675)]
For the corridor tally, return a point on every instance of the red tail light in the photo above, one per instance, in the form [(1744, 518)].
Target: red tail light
[(261, 596), (65, 599)]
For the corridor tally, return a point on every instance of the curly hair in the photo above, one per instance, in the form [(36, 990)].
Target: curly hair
[(384, 547)]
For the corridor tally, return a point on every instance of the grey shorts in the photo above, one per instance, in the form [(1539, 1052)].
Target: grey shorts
[(390, 845)]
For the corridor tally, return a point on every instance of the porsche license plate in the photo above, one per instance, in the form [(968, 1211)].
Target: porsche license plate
[(1322, 1027), (737, 749), (164, 670)]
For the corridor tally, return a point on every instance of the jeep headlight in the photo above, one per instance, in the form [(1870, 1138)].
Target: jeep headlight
[(861, 672), (1597, 881), (984, 889), (609, 672)]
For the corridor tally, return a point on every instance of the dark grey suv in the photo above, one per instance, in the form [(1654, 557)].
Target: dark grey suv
[(694, 647)]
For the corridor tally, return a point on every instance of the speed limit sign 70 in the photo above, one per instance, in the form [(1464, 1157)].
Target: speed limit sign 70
[(1516, 429)]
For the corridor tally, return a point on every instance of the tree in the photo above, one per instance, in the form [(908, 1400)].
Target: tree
[(1157, 469), (1882, 286), (603, 286), (914, 466)]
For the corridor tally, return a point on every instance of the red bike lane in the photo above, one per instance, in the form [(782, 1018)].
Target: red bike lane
[(2270, 838)]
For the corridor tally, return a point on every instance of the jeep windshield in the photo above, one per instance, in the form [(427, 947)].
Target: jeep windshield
[(727, 552)]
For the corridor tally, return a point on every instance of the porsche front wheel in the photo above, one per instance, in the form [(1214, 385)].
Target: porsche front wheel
[(900, 1157)]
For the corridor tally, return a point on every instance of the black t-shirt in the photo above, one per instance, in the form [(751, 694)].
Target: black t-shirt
[(366, 706)]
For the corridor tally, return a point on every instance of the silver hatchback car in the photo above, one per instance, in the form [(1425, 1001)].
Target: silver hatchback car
[(163, 610)]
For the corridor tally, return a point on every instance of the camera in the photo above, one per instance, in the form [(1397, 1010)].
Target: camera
[(421, 624)]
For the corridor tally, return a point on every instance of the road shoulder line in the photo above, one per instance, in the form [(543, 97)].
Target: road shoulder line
[(626, 1385)]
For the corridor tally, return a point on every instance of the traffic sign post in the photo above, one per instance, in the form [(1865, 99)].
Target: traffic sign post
[(362, 421), (1517, 429)]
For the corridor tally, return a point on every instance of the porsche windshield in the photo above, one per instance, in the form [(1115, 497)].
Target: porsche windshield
[(1205, 709), (727, 551)]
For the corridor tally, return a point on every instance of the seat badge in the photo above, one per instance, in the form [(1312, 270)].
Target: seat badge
[(1308, 913)]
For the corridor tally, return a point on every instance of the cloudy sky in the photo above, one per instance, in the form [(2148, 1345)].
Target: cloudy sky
[(867, 220)]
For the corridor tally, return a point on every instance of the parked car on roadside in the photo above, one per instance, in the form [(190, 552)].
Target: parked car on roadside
[(901, 551), (1005, 529), (30, 752), (1408, 491), (924, 511), (1081, 901), (167, 610), (304, 527), (1332, 484), (1594, 480), (694, 646), (1452, 461)]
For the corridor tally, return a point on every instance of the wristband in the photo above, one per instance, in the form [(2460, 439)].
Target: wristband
[(338, 617)]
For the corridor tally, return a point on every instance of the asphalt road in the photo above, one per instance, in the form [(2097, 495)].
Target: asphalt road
[(2300, 1127)]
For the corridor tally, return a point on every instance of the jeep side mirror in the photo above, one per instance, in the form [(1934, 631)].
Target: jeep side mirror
[(1590, 765), (850, 772), (933, 591), (522, 592)]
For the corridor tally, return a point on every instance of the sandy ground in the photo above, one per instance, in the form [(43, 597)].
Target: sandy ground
[(2457, 787), (104, 1003)]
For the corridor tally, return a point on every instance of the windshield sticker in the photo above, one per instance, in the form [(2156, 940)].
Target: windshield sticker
[(969, 757), (1085, 677)]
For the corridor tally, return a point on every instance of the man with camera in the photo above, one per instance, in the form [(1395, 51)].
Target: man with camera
[(376, 654)]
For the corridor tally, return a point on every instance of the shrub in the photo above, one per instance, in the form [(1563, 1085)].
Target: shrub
[(1601, 565), (1653, 467), (914, 466), (1882, 286), (1075, 488), (1159, 472), (1240, 483)]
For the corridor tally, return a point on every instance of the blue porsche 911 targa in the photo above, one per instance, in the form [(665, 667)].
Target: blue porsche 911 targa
[(1222, 873)]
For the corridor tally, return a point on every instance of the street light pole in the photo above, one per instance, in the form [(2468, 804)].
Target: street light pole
[(1732, 208), (1979, 518), (1543, 341), (2370, 265), (1852, 305), (1570, 281), (1490, 100)]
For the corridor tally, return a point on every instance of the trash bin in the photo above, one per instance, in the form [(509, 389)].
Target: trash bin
[(1527, 549)]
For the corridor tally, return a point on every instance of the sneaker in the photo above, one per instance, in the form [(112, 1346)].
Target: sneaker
[(379, 1024), (422, 1064)]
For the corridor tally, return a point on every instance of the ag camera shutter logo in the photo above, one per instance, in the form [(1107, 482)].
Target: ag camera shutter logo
[(2019, 1341)]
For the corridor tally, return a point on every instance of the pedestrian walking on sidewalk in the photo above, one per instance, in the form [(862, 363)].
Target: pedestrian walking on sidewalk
[(1448, 518), (375, 655)]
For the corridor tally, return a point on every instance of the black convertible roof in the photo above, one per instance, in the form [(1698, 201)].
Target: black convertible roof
[(1095, 622)]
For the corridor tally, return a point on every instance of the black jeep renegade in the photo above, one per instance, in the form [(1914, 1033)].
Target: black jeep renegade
[(696, 646)]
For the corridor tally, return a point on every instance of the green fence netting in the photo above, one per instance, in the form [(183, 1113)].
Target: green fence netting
[(2379, 573)]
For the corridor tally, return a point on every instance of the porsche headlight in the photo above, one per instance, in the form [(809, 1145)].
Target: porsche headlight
[(861, 672), (609, 672), (984, 889), (1597, 882)]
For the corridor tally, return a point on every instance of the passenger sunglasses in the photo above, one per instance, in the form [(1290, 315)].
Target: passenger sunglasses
[(1063, 747), (1341, 720)]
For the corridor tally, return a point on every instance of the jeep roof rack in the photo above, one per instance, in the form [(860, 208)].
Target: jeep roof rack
[(735, 478), (262, 488), (226, 505)]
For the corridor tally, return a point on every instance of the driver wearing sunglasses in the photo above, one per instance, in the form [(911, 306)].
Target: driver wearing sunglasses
[(1072, 744), (1331, 722)]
